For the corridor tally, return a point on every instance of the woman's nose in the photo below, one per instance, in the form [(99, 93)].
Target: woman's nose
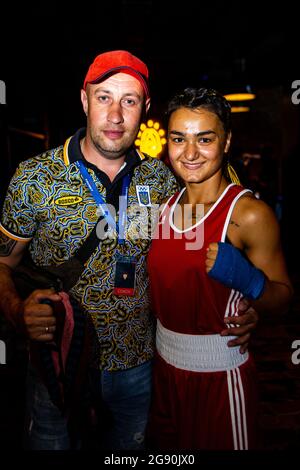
[(191, 151)]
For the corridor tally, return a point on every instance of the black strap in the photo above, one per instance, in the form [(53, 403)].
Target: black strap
[(89, 245)]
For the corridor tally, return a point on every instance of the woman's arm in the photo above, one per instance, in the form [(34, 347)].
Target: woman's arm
[(256, 233)]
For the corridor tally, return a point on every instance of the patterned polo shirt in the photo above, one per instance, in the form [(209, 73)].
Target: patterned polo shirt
[(49, 205)]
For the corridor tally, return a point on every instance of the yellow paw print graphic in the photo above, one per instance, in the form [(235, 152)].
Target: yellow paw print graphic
[(150, 138)]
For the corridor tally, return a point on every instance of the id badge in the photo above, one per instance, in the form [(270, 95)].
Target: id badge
[(125, 276)]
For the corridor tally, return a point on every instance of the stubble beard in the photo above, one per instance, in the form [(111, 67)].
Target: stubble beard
[(111, 150)]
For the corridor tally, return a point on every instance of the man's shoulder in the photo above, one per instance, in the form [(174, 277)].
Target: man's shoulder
[(157, 175), (43, 161), (49, 155), (156, 163)]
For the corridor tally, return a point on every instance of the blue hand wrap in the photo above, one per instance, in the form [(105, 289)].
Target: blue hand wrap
[(235, 271)]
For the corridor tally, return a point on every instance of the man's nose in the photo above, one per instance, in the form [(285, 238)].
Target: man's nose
[(115, 114)]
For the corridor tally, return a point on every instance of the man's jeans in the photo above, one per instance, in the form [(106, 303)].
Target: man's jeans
[(126, 394)]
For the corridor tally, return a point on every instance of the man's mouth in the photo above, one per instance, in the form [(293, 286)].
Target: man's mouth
[(113, 135)]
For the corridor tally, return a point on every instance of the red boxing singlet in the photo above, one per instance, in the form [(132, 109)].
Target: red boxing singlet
[(191, 408)]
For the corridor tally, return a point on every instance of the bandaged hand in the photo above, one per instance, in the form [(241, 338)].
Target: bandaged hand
[(227, 264)]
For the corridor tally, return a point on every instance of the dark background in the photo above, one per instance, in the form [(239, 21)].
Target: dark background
[(46, 48)]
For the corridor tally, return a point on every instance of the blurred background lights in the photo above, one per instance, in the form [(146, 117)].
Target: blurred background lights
[(240, 109), (151, 138), (240, 96)]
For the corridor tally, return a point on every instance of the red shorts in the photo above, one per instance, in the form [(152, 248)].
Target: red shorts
[(203, 410)]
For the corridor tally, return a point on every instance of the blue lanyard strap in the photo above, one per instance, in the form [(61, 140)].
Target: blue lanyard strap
[(120, 227)]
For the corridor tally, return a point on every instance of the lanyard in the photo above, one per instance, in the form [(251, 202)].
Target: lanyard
[(120, 227)]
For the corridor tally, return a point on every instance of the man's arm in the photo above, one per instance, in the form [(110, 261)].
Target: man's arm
[(11, 252), (30, 314)]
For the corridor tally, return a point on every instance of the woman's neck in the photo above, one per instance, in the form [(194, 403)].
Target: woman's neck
[(205, 193)]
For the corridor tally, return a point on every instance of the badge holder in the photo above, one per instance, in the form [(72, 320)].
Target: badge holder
[(125, 275)]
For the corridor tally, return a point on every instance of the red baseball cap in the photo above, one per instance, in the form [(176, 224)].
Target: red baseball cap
[(112, 62)]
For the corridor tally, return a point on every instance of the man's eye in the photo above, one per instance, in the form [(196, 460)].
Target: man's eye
[(129, 101), (204, 140), (103, 98)]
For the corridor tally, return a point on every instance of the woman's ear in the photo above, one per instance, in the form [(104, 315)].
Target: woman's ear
[(227, 142)]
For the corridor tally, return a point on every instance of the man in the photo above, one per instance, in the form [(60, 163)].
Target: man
[(52, 206)]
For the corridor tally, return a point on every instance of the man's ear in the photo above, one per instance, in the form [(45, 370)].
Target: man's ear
[(84, 101), (147, 104)]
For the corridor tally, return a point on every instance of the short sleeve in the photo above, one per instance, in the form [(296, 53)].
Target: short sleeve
[(17, 218)]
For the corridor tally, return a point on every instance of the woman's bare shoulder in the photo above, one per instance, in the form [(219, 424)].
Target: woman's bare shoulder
[(251, 210), (255, 219)]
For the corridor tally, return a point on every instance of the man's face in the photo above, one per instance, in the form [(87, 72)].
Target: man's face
[(113, 108)]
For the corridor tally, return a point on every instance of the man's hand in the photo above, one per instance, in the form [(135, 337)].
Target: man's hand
[(246, 322), (211, 256), (39, 320)]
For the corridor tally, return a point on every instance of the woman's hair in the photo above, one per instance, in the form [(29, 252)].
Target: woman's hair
[(206, 98)]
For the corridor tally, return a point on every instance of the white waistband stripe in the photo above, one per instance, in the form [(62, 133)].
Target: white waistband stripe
[(198, 353)]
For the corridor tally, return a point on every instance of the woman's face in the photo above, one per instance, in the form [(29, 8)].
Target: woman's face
[(196, 144)]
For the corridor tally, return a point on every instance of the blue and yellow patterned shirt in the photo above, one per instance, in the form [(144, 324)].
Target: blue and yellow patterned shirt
[(49, 205)]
